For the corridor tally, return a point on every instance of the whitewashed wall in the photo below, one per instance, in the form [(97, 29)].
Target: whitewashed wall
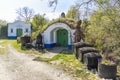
[(18, 25), (50, 32)]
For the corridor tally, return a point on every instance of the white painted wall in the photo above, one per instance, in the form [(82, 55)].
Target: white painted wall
[(54, 27), (19, 25)]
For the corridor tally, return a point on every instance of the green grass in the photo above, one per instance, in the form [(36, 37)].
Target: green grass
[(18, 47), (71, 65), (3, 43)]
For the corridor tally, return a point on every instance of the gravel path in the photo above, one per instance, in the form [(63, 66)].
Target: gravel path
[(17, 66)]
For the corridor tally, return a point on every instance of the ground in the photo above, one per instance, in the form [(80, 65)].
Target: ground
[(20, 64), (17, 66)]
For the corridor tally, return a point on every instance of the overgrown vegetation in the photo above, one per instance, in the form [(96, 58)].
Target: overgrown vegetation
[(18, 47), (37, 23), (103, 32), (71, 65), (68, 21), (103, 29)]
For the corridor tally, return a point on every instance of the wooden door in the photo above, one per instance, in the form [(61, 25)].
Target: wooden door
[(62, 37), (19, 32)]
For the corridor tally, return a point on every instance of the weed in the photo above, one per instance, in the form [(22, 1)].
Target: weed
[(71, 65)]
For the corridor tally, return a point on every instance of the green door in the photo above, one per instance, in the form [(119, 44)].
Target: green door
[(62, 37), (19, 32)]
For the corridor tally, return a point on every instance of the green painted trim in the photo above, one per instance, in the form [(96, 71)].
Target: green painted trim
[(62, 37), (19, 32)]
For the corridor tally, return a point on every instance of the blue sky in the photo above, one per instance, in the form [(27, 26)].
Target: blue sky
[(8, 8)]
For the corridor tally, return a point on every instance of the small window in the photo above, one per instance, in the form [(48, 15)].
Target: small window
[(26, 30), (11, 30)]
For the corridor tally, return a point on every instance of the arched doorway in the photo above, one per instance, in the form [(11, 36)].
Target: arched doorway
[(19, 32), (62, 37)]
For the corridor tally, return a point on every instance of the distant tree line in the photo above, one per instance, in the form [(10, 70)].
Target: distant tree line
[(3, 29)]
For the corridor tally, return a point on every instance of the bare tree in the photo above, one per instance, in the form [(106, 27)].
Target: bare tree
[(53, 3), (86, 7), (25, 14)]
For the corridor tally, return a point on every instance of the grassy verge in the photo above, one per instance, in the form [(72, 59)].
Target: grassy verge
[(71, 65), (18, 47), (3, 44)]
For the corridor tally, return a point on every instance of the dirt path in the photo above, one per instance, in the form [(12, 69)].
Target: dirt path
[(52, 52), (1, 42), (17, 66)]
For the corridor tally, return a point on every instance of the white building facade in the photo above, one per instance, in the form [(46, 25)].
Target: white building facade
[(58, 34), (17, 29)]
